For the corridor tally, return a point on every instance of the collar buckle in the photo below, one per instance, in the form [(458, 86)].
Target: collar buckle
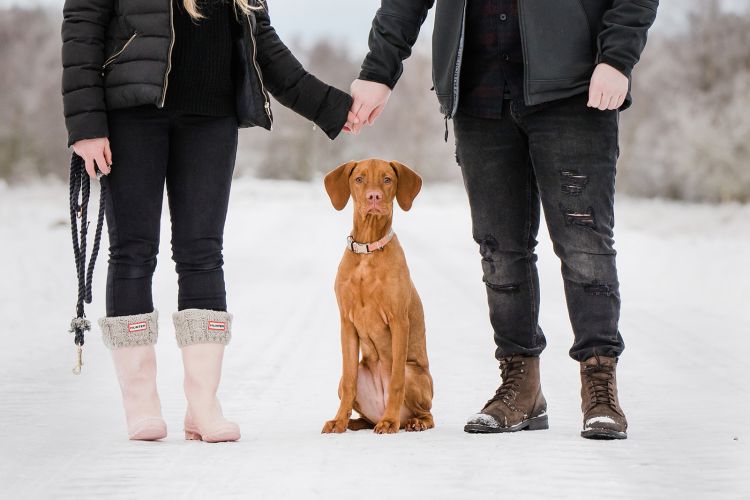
[(364, 248), (360, 248)]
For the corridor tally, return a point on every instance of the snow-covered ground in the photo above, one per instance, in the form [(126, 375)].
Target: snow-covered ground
[(683, 378)]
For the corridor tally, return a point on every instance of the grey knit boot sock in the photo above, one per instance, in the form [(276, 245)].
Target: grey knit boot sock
[(129, 331), (202, 326)]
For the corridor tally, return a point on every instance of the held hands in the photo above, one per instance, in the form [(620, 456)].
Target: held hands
[(369, 100), (95, 152), (608, 88)]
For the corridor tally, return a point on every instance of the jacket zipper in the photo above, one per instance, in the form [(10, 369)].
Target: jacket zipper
[(522, 31), (457, 71), (169, 55), (459, 57), (114, 56), (266, 99)]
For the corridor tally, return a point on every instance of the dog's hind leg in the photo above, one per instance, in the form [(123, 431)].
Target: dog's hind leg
[(359, 424), (418, 400)]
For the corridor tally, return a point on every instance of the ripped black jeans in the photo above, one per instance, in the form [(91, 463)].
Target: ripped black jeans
[(562, 156)]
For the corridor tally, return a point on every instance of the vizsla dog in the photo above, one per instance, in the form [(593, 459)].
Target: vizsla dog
[(381, 313)]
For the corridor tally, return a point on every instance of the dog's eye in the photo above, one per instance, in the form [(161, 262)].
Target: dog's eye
[(359, 180), (386, 180)]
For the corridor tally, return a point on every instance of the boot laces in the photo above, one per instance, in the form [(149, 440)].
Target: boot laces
[(601, 386), (512, 372)]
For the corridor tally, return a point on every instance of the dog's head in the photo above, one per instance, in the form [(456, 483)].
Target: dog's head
[(373, 184)]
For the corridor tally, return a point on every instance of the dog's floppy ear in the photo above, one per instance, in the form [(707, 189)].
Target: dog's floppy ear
[(409, 185), (337, 184)]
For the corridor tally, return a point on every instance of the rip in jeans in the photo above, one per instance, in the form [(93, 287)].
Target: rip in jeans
[(509, 288), (572, 182), (583, 218), (598, 289)]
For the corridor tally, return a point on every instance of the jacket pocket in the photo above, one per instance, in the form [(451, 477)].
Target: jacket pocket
[(558, 41), (111, 59)]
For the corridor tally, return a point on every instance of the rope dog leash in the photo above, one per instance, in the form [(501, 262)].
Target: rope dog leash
[(80, 189)]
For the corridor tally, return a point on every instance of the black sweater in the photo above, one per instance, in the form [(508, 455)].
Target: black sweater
[(200, 80)]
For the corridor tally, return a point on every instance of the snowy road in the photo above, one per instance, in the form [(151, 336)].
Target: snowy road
[(683, 378)]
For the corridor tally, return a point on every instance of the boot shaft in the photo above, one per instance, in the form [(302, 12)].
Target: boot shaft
[(520, 393), (521, 386), (599, 383)]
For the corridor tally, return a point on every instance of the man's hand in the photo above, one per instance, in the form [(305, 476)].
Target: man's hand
[(369, 100), (95, 151), (608, 88)]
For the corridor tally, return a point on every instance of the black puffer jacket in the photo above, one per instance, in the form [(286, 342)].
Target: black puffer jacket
[(563, 40), (116, 54)]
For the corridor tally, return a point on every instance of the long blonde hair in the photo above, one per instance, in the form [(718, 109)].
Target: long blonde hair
[(243, 6)]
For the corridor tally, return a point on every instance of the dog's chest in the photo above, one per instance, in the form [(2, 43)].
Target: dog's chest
[(362, 295)]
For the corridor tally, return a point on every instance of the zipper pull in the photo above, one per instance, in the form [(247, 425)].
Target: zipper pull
[(446, 128)]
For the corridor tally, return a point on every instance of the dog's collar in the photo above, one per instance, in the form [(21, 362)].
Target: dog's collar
[(368, 248)]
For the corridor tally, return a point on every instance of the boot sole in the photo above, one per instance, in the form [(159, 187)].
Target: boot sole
[(217, 436), (533, 424), (603, 434)]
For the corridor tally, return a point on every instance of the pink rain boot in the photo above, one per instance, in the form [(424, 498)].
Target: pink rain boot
[(132, 339), (202, 335)]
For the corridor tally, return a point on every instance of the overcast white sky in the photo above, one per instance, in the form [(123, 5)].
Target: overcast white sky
[(345, 20), (349, 20)]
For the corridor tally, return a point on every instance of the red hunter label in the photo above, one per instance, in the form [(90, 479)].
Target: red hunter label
[(137, 327), (217, 326)]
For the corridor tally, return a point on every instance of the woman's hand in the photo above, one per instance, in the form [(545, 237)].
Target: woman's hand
[(95, 152), (608, 88), (369, 100)]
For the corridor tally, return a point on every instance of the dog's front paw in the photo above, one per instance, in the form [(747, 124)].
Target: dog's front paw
[(335, 427), (387, 426)]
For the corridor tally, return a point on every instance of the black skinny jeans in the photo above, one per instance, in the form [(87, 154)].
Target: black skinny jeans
[(195, 156), (563, 155)]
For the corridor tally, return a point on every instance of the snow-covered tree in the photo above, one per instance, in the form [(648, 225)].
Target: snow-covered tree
[(688, 136)]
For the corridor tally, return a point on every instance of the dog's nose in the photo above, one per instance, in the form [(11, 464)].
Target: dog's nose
[(374, 196)]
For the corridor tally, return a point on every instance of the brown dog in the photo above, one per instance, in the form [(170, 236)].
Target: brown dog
[(381, 313)]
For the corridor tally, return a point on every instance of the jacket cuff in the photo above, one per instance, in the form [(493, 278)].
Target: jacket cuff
[(373, 77), (617, 64), (333, 112), (89, 125)]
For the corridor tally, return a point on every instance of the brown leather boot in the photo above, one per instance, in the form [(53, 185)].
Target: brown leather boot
[(602, 416), (518, 404)]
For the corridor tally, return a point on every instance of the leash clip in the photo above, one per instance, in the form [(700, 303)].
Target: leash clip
[(79, 360)]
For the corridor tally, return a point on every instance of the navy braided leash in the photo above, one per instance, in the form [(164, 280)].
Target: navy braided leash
[(80, 190)]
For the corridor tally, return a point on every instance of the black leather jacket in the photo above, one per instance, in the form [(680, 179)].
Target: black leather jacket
[(117, 54), (563, 40)]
